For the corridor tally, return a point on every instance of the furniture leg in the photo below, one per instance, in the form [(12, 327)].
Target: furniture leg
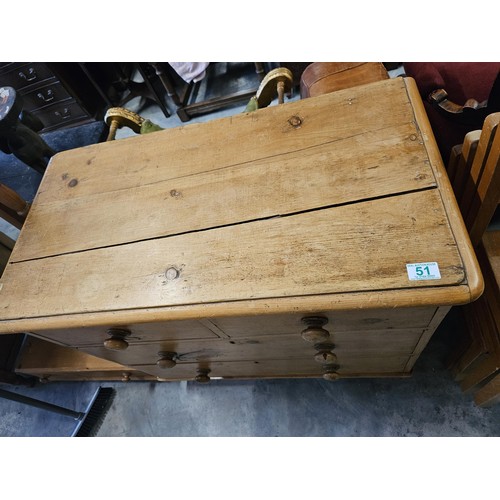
[(489, 394)]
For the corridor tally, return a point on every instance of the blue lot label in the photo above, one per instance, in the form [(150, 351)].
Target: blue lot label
[(423, 271)]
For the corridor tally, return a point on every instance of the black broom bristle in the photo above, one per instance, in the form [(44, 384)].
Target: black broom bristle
[(95, 414)]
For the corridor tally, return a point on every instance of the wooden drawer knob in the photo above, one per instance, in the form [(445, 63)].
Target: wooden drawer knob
[(325, 357), (314, 331), (167, 359), (117, 341), (331, 375), (202, 376)]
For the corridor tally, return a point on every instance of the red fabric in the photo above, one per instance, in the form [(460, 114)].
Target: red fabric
[(461, 81)]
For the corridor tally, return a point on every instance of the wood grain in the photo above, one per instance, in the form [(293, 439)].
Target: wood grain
[(213, 240), (205, 147), (365, 166), (344, 249)]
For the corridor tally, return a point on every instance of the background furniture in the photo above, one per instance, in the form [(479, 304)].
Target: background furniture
[(474, 171), (461, 81), (59, 94), (197, 98), (293, 258), (322, 77)]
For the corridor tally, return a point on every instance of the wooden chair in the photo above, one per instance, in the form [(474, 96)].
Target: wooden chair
[(186, 95), (13, 208), (474, 171)]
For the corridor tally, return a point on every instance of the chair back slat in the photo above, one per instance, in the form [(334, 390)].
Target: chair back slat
[(464, 162), (473, 176), (487, 196)]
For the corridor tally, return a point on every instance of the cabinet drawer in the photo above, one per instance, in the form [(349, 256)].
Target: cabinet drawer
[(46, 95), (61, 113), (26, 75), (141, 332), (283, 368), (338, 321), (360, 345)]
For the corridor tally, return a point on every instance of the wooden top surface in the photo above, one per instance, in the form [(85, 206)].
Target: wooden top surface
[(246, 207)]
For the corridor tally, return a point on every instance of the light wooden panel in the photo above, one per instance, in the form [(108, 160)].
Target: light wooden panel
[(369, 165), (364, 246)]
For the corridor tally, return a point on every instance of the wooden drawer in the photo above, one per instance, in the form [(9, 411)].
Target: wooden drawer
[(61, 113), (46, 95), (141, 332), (283, 368), (338, 321), (26, 75), (347, 345)]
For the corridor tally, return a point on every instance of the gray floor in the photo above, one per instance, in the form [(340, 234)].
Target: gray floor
[(429, 403)]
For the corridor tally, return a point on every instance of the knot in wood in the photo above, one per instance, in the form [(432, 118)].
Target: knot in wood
[(172, 273), (295, 121)]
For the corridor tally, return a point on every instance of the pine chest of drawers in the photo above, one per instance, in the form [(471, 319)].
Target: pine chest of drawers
[(318, 238)]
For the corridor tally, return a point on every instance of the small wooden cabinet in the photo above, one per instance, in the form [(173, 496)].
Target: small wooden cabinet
[(318, 238), (65, 94)]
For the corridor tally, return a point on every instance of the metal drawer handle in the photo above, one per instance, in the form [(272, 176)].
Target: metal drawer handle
[(47, 97), (117, 341), (314, 331), (66, 113), (30, 76)]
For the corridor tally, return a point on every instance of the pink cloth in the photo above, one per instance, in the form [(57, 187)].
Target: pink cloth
[(190, 71)]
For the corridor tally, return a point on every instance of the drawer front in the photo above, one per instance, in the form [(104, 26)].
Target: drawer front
[(355, 352), (26, 75), (61, 113), (45, 96), (141, 332), (338, 321), (378, 343), (284, 368)]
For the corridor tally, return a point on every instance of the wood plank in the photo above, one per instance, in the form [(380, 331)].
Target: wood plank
[(343, 249), (368, 165), (46, 357), (474, 278), (203, 147), (464, 163), (487, 196), (51, 362)]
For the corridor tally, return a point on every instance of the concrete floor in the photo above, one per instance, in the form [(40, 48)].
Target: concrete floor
[(429, 403)]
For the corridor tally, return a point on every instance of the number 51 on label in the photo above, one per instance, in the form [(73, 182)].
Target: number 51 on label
[(423, 271)]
